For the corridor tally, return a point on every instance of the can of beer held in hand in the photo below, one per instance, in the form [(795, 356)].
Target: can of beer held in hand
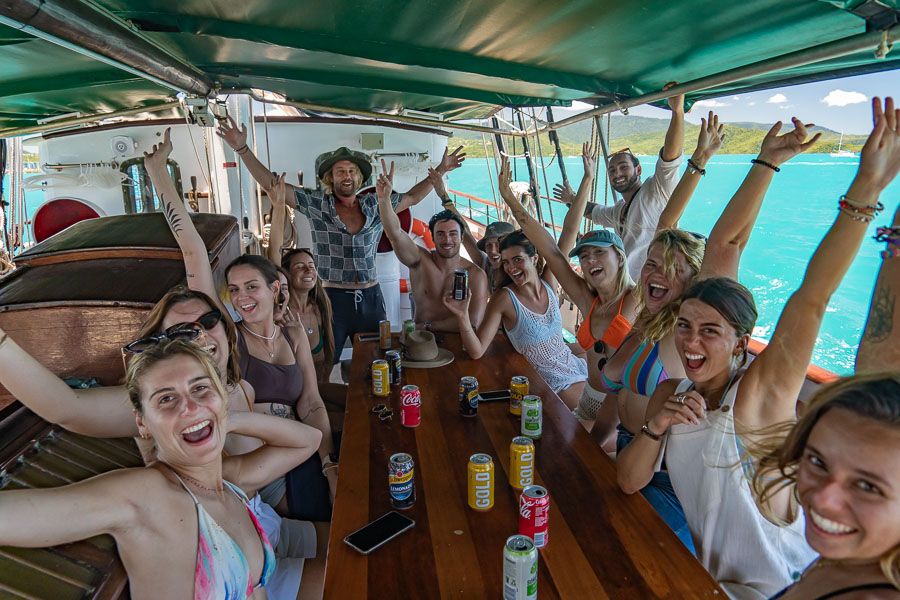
[(532, 416), (518, 389), (395, 366), (481, 482), (468, 396), (384, 335), (410, 405), (381, 378), (402, 481), (521, 462), (534, 514), (460, 284), (520, 568)]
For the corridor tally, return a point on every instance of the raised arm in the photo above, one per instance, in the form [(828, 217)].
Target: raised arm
[(420, 190), (278, 195), (878, 348), (709, 140), (196, 260), (730, 234), (770, 388), (97, 412), (572, 221), (407, 251), (477, 343), (237, 141), (287, 444), (674, 144)]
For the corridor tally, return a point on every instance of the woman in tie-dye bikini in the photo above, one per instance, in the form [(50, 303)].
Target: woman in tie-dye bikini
[(182, 525)]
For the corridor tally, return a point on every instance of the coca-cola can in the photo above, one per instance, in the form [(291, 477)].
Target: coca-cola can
[(410, 405), (534, 514)]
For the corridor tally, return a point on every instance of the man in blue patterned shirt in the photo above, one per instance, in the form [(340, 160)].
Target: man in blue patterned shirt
[(345, 227)]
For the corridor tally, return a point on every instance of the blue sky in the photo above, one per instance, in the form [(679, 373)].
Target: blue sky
[(839, 104)]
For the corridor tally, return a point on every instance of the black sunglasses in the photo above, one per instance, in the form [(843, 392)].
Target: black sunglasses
[(180, 331)]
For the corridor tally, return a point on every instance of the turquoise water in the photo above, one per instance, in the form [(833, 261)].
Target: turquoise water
[(798, 209)]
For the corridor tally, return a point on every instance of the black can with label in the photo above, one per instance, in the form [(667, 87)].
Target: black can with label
[(468, 396), (460, 284)]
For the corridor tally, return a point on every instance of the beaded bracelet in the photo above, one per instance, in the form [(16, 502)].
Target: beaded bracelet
[(849, 202), (891, 252), (757, 161), (858, 216), (891, 235), (242, 149), (696, 168)]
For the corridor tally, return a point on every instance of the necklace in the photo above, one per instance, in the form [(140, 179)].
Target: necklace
[(266, 339), (200, 485)]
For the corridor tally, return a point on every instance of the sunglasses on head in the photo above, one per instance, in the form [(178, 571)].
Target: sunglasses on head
[(622, 151), (187, 332)]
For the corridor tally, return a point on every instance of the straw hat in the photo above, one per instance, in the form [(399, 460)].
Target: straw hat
[(421, 352)]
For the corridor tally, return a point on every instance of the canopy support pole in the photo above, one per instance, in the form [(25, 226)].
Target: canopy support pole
[(554, 137), (598, 124)]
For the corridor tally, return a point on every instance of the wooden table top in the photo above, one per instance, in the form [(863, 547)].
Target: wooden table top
[(603, 544)]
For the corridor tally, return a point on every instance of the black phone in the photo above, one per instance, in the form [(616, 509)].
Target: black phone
[(369, 337), (493, 396), (379, 531)]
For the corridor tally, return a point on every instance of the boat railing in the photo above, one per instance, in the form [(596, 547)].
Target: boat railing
[(482, 208)]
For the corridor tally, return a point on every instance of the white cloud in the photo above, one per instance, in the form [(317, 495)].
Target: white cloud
[(710, 103), (777, 99), (751, 104), (843, 98)]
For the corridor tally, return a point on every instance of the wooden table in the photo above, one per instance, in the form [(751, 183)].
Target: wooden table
[(603, 544)]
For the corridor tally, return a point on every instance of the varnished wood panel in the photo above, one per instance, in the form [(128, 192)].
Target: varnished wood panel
[(603, 544)]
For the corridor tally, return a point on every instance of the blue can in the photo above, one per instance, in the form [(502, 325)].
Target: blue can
[(402, 481)]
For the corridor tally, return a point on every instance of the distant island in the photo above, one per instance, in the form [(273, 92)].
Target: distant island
[(644, 135)]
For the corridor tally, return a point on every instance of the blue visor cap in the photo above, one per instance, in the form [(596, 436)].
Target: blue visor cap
[(602, 238)]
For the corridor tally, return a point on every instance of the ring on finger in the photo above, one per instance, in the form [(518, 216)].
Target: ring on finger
[(680, 398)]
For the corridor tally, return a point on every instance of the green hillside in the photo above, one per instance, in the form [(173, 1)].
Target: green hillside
[(645, 136)]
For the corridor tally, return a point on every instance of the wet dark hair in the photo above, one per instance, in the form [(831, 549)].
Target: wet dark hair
[(518, 238), (445, 215), (731, 299), (265, 267)]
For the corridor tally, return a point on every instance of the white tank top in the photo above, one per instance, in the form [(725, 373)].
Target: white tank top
[(747, 554)]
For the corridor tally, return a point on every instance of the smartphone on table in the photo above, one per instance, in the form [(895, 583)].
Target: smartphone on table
[(494, 396), (378, 532)]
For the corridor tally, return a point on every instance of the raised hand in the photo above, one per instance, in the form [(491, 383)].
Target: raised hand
[(234, 137), (157, 157), (676, 103), (437, 181), (711, 136), (588, 157), (451, 161), (563, 193), (879, 160), (279, 191), (503, 180), (778, 149), (385, 183)]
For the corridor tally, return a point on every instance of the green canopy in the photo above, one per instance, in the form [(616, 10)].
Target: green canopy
[(460, 59)]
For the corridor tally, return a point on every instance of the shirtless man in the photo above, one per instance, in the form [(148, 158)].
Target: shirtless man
[(431, 271)]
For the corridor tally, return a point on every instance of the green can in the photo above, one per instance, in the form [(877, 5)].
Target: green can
[(409, 326), (532, 416), (520, 568)]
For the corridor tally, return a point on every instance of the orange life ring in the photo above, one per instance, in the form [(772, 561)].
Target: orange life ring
[(420, 228)]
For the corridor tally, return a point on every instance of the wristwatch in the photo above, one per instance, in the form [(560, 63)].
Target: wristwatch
[(649, 432)]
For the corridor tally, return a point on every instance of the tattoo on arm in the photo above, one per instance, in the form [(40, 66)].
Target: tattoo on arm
[(171, 216), (881, 315), (280, 410)]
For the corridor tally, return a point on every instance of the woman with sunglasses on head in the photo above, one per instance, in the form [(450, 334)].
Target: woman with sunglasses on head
[(701, 424), (105, 412), (183, 525), (841, 463), (675, 260), (277, 364)]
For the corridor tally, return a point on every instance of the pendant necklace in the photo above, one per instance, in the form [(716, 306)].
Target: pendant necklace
[(265, 338)]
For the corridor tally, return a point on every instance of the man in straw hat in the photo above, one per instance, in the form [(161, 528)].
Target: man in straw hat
[(431, 272), (345, 227)]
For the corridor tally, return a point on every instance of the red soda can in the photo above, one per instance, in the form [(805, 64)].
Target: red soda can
[(410, 404), (534, 514)]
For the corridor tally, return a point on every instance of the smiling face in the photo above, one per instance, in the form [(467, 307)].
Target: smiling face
[(600, 266), (303, 271), (706, 342), (214, 341), (658, 288), (492, 249), (183, 412), (520, 267), (622, 172), (346, 178), (848, 482), (251, 296), (447, 238)]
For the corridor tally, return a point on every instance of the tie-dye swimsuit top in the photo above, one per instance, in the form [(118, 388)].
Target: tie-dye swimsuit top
[(222, 571)]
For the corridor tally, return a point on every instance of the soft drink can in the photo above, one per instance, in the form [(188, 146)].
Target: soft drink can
[(518, 389), (532, 416), (410, 405), (534, 514), (520, 568), (384, 335), (521, 462), (468, 396), (481, 482), (409, 326), (402, 481), (381, 378), (460, 284), (395, 366)]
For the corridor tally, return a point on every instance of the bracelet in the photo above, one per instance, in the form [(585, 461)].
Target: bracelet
[(757, 161), (844, 201), (649, 432), (695, 167), (242, 149), (329, 466), (891, 252), (446, 201), (857, 216), (891, 235)]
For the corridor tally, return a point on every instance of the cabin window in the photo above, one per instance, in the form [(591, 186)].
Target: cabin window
[(137, 190)]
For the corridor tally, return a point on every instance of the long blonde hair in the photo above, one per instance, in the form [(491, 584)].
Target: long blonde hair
[(874, 396), (674, 241)]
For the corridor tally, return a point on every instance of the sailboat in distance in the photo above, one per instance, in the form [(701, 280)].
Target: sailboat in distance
[(843, 153)]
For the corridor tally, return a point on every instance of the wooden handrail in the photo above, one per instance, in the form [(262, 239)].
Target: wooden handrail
[(494, 205)]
